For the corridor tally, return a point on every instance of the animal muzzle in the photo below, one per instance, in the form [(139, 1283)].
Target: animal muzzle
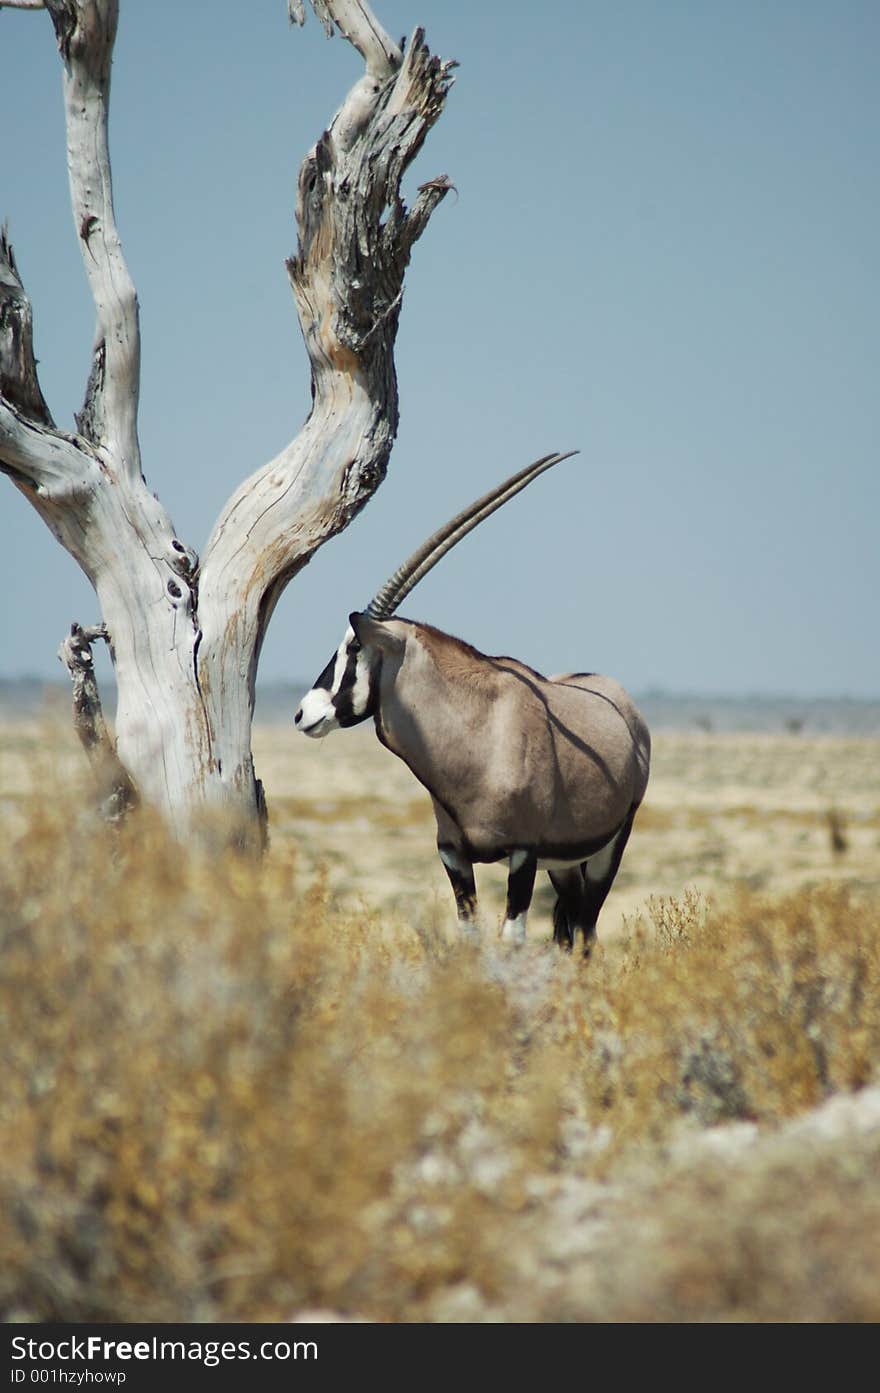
[(316, 714)]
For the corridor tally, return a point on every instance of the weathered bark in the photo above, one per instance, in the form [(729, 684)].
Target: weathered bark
[(185, 636), (116, 792)]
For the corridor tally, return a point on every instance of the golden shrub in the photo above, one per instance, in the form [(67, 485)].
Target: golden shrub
[(223, 1100)]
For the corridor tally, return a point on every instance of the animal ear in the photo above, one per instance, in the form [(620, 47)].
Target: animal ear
[(375, 632)]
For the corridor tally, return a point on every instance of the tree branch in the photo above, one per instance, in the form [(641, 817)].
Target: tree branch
[(86, 31), (347, 278), (355, 239), (118, 793), (18, 367), (22, 5), (51, 463), (357, 23), (187, 637), (44, 462)]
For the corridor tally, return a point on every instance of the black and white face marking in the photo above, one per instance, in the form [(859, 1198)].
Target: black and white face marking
[(344, 693)]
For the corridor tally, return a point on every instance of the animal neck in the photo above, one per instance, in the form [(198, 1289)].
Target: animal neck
[(432, 705)]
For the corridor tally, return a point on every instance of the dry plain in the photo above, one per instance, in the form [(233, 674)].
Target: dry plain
[(769, 812), (232, 1094)]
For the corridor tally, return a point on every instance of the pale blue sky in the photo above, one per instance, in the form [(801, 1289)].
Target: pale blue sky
[(664, 253)]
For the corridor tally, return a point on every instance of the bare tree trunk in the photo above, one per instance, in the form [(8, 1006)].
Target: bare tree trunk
[(185, 634)]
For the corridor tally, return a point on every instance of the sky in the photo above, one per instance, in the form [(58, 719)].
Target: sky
[(663, 253)]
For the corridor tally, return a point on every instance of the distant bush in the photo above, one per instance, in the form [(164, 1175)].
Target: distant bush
[(222, 1100)]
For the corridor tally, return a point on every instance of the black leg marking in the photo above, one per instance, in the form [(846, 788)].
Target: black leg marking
[(581, 895), (568, 912), (461, 878), (596, 889), (520, 885)]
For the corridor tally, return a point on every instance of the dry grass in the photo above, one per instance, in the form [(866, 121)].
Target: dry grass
[(722, 812), (227, 1097), (756, 1011)]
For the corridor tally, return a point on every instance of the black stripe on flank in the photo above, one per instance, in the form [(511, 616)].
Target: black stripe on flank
[(545, 851), (486, 855)]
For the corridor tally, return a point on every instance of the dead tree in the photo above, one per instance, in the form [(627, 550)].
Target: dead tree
[(185, 631)]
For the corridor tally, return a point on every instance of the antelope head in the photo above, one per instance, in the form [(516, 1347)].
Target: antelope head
[(346, 692)]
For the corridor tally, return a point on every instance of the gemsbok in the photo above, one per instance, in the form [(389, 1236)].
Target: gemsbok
[(541, 772)]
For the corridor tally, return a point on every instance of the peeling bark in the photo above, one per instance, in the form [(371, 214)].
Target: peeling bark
[(185, 634)]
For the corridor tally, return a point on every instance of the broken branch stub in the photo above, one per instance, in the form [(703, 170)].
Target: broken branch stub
[(116, 789)]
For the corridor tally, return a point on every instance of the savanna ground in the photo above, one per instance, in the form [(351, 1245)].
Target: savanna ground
[(252, 1095)]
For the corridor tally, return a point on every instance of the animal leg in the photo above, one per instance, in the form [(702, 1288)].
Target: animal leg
[(568, 912), (599, 873), (520, 884), (461, 877)]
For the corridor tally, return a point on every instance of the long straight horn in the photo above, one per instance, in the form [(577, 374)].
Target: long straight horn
[(396, 589)]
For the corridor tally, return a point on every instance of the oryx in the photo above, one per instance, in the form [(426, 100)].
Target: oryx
[(543, 772)]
